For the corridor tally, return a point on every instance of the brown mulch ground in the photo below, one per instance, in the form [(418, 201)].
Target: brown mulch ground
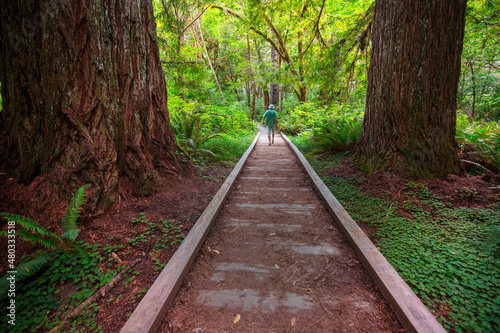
[(460, 191), (465, 191)]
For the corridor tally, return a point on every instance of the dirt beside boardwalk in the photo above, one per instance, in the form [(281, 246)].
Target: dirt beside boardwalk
[(175, 198), (275, 261)]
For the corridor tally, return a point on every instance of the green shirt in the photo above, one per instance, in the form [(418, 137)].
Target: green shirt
[(270, 116)]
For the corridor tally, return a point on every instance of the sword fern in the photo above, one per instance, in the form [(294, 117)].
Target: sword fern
[(31, 231)]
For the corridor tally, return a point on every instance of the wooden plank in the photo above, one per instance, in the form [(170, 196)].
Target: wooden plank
[(411, 312), (151, 311)]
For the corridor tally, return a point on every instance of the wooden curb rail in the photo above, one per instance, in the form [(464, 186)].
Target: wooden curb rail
[(411, 312), (151, 311)]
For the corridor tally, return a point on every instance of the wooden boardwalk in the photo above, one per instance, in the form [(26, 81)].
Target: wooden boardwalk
[(276, 260)]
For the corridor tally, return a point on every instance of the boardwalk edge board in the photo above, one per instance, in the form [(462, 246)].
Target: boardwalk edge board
[(411, 312), (151, 311)]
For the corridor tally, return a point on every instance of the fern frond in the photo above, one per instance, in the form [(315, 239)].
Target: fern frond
[(51, 243), (71, 235), (24, 270), (72, 214), (202, 138), (26, 223)]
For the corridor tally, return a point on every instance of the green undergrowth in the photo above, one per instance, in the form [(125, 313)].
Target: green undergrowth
[(215, 132), (166, 235), (226, 151), (229, 148), (43, 299), (335, 128), (68, 280), (448, 255)]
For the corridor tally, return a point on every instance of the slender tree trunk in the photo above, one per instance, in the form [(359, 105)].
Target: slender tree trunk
[(462, 87), (472, 112), (410, 119), (281, 97), (84, 96), (252, 79), (233, 81), (210, 62), (273, 87), (254, 95), (265, 90), (248, 92), (266, 99), (280, 87), (301, 89)]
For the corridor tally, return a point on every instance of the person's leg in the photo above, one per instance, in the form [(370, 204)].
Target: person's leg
[(272, 130), (269, 129)]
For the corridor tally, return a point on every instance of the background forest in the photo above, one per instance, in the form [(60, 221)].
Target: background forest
[(224, 62), (219, 63)]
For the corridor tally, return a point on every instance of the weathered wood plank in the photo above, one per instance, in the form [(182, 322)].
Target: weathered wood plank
[(411, 312), (150, 312)]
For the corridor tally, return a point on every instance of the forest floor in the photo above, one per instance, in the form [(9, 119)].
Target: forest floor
[(167, 217), (460, 191), (119, 234)]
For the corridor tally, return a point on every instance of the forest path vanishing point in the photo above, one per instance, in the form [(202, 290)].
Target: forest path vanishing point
[(275, 261)]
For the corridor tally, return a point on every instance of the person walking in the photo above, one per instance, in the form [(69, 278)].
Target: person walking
[(271, 119)]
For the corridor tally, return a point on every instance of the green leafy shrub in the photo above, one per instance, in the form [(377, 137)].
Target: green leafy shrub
[(229, 148), (333, 129), (38, 298), (337, 129), (294, 122), (485, 136), (337, 134), (188, 125), (304, 142), (206, 130), (232, 119)]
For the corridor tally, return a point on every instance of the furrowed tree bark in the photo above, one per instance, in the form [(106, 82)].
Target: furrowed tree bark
[(84, 96), (410, 119)]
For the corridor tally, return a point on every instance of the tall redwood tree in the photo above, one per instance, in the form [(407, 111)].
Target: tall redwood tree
[(84, 95), (410, 119)]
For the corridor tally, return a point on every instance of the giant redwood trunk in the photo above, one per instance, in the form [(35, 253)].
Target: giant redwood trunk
[(84, 96), (409, 124)]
